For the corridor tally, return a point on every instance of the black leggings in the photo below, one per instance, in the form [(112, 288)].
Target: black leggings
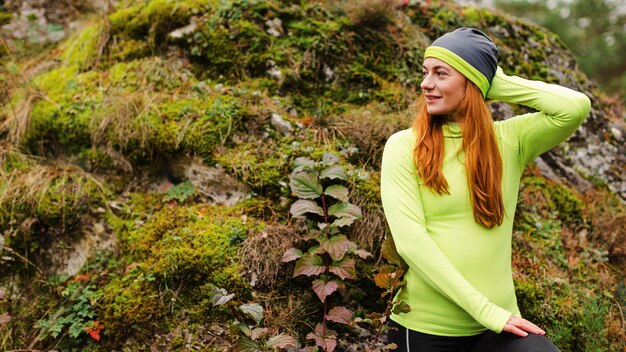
[(414, 341)]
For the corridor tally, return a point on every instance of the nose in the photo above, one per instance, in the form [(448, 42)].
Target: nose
[(427, 83)]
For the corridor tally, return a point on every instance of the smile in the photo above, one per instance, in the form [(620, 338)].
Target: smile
[(431, 98)]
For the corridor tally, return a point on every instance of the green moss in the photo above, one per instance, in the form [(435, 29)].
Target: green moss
[(260, 168), (195, 125), (64, 116), (156, 18), (199, 250), (125, 49), (193, 244), (131, 303), (148, 74), (562, 200), (81, 50), (66, 200)]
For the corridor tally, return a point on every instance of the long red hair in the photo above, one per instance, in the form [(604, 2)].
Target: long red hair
[(483, 164)]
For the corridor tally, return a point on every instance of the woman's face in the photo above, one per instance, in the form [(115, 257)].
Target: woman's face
[(443, 87)]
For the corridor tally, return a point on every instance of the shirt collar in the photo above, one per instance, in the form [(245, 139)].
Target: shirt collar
[(452, 130)]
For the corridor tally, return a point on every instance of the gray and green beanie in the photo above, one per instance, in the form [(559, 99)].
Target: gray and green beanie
[(470, 52)]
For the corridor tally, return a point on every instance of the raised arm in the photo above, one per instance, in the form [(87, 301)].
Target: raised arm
[(560, 111), (402, 204)]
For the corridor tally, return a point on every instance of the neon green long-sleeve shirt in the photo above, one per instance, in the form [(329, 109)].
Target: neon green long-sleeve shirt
[(459, 281)]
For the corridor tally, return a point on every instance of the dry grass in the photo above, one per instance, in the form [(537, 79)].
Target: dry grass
[(369, 128), (117, 122), (24, 190), (17, 126), (286, 314), (607, 213), (369, 232), (262, 253), (371, 13)]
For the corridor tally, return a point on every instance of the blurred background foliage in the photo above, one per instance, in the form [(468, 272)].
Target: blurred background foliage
[(595, 31)]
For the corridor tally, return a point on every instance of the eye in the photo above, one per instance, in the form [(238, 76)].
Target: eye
[(442, 73)]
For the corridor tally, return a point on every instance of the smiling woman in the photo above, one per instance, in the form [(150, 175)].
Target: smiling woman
[(449, 190), (443, 87)]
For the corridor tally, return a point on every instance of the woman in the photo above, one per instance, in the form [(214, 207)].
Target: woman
[(449, 189)]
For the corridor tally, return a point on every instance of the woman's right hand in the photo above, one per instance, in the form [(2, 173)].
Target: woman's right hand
[(521, 327)]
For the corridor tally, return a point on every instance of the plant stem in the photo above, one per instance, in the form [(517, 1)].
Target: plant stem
[(386, 314), (325, 214), (326, 265)]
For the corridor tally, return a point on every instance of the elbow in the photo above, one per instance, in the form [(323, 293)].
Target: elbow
[(583, 104)]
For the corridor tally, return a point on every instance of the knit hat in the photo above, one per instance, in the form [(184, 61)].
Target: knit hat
[(470, 52)]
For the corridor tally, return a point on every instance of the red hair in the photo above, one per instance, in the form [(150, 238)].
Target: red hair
[(483, 164)]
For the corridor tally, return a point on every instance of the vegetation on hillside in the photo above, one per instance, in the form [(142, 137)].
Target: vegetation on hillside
[(94, 130)]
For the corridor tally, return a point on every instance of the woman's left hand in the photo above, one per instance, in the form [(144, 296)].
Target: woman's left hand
[(521, 327)]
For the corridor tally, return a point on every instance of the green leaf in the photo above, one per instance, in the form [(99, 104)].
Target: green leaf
[(343, 268), (181, 192), (247, 345), (245, 329), (303, 206), (345, 209), (338, 192), (333, 172), (282, 341), (329, 159), (324, 289), (291, 254), (305, 185), (340, 315), (401, 307), (301, 164), (336, 246), (254, 310), (309, 265)]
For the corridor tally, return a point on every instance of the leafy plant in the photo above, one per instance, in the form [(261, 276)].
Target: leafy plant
[(76, 318), (330, 259), (255, 337), (180, 192), (390, 279)]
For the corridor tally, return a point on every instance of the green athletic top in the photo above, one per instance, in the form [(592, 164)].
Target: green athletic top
[(459, 281)]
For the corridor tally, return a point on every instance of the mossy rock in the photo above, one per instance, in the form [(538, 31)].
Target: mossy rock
[(559, 199), (130, 304), (154, 19), (191, 245)]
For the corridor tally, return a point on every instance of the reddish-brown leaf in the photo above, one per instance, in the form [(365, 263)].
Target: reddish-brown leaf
[(309, 265), (282, 341), (328, 341), (362, 253), (383, 280), (291, 254), (340, 315), (324, 289), (343, 268), (336, 246), (391, 254)]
